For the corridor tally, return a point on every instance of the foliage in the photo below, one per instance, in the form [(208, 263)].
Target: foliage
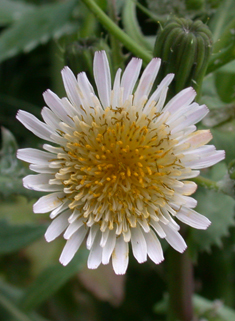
[(35, 26), (35, 38)]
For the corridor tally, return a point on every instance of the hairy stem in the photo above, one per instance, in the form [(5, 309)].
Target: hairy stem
[(180, 286), (206, 182)]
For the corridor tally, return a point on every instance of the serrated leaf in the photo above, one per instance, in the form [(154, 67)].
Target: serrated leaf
[(37, 27), (219, 209), (11, 11), (204, 309), (8, 161), (212, 310), (10, 185), (12, 170), (50, 280), (224, 138), (16, 237)]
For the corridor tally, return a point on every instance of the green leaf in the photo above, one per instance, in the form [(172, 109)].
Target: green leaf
[(37, 27), (10, 185), (8, 161), (204, 309), (225, 82), (16, 237), (212, 310), (9, 297), (219, 208), (224, 138), (11, 169), (11, 11), (220, 20), (50, 280)]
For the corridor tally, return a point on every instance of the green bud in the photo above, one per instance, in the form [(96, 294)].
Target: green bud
[(79, 55), (185, 48)]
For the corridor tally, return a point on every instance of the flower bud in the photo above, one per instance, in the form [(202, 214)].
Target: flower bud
[(184, 47), (79, 54)]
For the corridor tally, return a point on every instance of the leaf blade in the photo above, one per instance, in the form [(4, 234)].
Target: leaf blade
[(50, 280), (36, 27), (16, 237)]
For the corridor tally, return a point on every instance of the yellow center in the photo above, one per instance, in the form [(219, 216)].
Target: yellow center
[(117, 166)]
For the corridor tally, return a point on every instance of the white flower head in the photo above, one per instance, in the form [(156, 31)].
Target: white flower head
[(117, 174)]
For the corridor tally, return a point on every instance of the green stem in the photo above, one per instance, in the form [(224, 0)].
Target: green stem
[(180, 286), (117, 32), (115, 43), (206, 182)]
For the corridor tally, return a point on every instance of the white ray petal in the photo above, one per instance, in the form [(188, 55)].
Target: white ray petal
[(102, 77), (116, 90), (154, 248), (192, 218), (139, 247), (86, 88), (109, 247), (70, 109), (73, 245), (120, 256), (197, 139), (57, 226), (56, 105), (187, 189), (59, 209), (52, 149), (191, 119), (183, 98), (73, 227), (48, 202), (33, 124), (130, 76), (206, 161), (40, 182), (144, 224), (104, 238), (161, 91), (91, 236), (34, 156), (50, 118), (95, 256), (157, 227), (44, 169), (71, 86), (147, 80), (174, 238), (187, 175)]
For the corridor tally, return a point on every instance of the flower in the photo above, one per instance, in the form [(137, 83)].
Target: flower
[(118, 173)]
